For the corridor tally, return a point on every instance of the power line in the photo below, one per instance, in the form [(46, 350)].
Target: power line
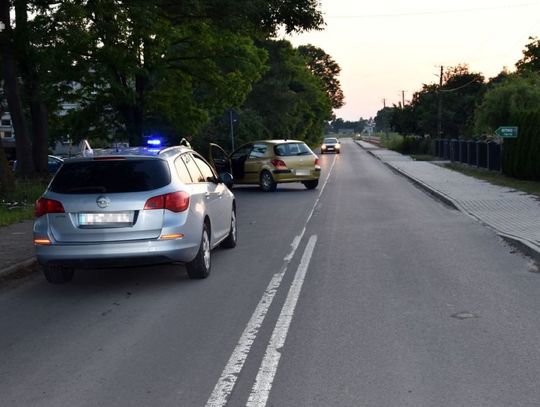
[(435, 12)]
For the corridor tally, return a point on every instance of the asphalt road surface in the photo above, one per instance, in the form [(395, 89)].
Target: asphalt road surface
[(363, 292)]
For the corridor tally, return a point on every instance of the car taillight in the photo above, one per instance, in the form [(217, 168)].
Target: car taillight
[(174, 202), (44, 206), (279, 164), (317, 161)]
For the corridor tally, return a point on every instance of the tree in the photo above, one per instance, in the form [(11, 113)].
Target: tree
[(506, 100), (289, 98), (459, 94), (25, 164), (383, 119), (530, 62), (324, 67), (128, 69)]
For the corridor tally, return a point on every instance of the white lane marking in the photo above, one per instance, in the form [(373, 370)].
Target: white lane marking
[(267, 371), (227, 380)]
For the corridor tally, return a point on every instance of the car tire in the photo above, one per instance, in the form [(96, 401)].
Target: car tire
[(267, 182), (311, 184), (230, 240), (58, 274), (200, 266)]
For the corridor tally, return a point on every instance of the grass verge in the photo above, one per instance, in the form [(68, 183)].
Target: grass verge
[(496, 178), (18, 205)]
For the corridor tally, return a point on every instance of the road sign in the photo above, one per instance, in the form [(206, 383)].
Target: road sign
[(507, 132)]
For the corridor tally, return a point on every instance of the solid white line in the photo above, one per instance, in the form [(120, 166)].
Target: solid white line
[(227, 380), (267, 371)]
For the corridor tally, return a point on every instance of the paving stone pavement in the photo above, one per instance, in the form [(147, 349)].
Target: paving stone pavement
[(16, 247), (513, 214)]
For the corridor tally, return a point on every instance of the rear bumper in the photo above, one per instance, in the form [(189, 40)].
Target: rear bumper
[(117, 254), (291, 176)]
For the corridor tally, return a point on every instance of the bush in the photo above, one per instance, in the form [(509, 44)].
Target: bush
[(406, 144), (520, 155)]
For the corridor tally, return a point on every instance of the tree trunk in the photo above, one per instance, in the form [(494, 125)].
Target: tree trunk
[(32, 87), (25, 164)]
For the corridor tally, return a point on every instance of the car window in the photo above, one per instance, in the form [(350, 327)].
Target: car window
[(330, 140), (205, 168), (290, 149), (111, 176), (182, 171), (258, 150), (194, 171), (242, 151)]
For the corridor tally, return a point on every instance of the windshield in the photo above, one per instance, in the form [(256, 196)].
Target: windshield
[(330, 141)]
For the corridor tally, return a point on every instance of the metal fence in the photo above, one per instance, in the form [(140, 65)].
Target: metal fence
[(481, 154)]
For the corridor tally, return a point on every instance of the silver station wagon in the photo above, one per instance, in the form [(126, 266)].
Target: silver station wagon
[(134, 208)]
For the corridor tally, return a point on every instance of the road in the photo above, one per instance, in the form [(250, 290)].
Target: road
[(363, 292)]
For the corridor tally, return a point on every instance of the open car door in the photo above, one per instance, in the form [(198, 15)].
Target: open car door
[(219, 159)]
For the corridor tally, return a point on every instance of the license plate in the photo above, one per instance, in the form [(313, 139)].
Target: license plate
[(302, 172), (106, 218)]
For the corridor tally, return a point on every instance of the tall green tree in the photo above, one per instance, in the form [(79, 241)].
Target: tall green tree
[(290, 99), (10, 72), (460, 93), (324, 67), (517, 94), (130, 68), (530, 62)]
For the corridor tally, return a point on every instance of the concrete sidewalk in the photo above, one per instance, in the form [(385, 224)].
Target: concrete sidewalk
[(514, 215)]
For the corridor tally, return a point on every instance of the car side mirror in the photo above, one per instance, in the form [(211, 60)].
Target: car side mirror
[(226, 178)]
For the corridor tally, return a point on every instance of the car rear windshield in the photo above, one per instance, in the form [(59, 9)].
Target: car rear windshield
[(111, 176), (330, 141), (288, 149)]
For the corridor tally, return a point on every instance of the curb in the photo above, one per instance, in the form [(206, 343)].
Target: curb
[(518, 243), (23, 266)]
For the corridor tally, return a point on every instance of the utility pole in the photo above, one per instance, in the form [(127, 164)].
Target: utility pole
[(439, 105), (403, 98), (231, 122)]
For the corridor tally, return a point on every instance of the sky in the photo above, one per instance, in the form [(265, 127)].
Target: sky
[(385, 47)]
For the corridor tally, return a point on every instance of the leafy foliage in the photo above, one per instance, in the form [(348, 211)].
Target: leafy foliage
[(324, 67), (531, 57), (126, 69), (460, 93), (520, 155), (289, 99), (505, 100)]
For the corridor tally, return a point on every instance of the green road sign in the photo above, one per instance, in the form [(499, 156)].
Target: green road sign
[(507, 132)]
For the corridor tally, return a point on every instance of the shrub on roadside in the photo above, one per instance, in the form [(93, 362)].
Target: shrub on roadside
[(520, 156), (406, 144)]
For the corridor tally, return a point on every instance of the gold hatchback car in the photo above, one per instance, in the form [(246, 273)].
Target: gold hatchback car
[(268, 163)]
